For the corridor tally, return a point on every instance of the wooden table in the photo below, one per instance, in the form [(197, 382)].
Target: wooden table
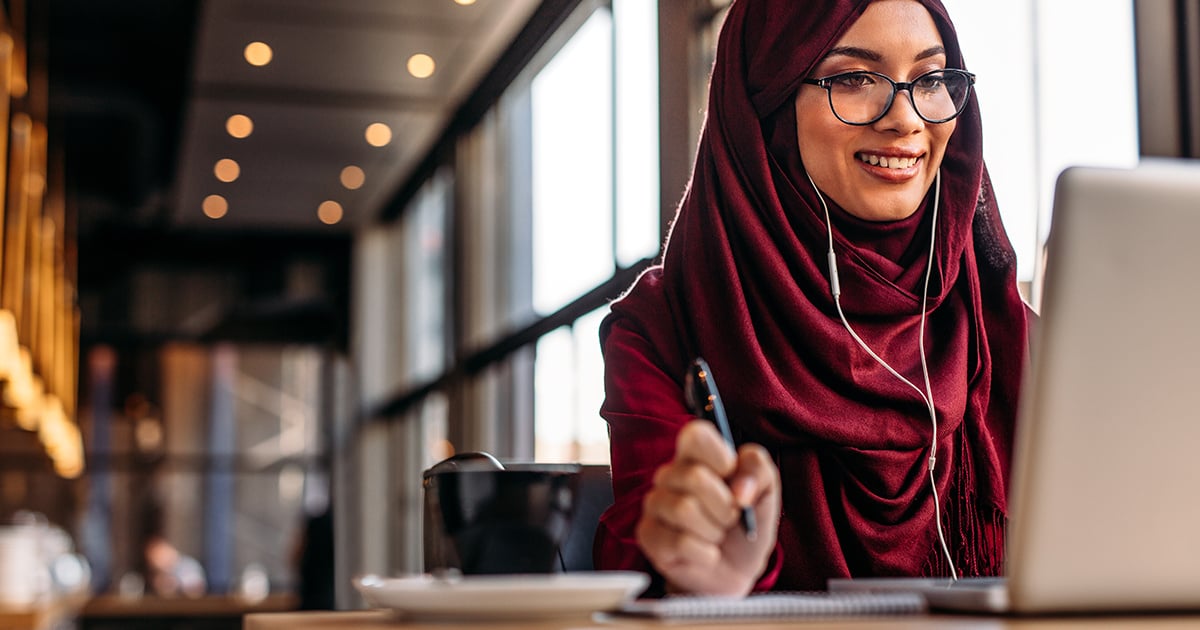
[(212, 612), (377, 620), (41, 616), (30, 618)]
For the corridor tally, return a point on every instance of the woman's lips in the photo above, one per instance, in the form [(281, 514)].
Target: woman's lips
[(891, 168)]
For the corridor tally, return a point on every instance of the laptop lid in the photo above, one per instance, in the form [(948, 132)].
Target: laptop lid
[(1105, 495)]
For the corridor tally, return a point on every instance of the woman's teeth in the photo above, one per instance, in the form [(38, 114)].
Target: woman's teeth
[(888, 162)]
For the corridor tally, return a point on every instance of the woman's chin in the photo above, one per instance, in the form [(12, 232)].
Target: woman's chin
[(885, 212)]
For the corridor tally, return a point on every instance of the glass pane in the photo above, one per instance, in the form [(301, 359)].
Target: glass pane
[(435, 430), (553, 398), (573, 167), (1068, 130), (568, 390), (209, 483), (424, 260), (1032, 59), (636, 30), (591, 432), (706, 54)]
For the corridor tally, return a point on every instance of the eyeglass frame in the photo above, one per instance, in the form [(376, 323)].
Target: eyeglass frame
[(897, 86)]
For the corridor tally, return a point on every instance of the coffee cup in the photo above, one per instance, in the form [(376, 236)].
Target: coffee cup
[(21, 567), (482, 517)]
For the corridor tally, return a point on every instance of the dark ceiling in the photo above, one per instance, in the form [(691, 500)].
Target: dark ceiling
[(118, 76), (138, 92), (119, 79)]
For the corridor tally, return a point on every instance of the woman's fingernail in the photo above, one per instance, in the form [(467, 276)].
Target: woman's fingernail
[(744, 490)]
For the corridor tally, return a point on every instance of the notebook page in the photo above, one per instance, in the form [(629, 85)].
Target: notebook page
[(777, 605)]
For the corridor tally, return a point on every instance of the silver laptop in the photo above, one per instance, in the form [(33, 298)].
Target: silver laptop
[(1105, 501)]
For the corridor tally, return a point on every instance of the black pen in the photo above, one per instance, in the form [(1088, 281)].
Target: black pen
[(700, 391)]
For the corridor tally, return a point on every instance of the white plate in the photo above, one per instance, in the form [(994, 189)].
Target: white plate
[(502, 596)]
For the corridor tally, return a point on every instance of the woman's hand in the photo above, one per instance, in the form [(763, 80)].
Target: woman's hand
[(690, 528)]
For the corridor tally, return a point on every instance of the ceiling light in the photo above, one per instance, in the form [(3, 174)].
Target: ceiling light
[(421, 66), (257, 54), (239, 125), (465, 2), (378, 134), (353, 177), (227, 170), (215, 206), (329, 212)]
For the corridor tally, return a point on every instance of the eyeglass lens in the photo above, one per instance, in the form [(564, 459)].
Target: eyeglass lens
[(862, 97)]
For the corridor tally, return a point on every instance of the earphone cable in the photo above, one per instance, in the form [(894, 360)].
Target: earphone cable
[(927, 395)]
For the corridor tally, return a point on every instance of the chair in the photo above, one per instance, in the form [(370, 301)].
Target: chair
[(593, 496)]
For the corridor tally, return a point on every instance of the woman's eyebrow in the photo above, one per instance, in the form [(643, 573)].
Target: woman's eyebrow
[(932, 51), (856, 52), (867, 54)]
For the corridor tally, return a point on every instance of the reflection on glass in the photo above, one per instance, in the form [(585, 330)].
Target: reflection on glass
[(235, 478)]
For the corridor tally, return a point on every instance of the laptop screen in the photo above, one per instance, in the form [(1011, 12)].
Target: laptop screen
[(1104, 497)]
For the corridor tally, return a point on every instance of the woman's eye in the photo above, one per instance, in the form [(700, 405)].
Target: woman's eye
[(932, 81), (853, 80)]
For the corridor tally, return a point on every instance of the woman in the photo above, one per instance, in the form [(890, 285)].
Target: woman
[(803, 153)]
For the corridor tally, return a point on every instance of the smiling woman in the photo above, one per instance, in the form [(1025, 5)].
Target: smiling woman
[(875, 155), (839, 260)]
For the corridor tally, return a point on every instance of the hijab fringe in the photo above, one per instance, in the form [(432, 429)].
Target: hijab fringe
[(977, 531)]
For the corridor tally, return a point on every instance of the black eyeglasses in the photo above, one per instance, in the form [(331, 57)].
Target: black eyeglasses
[(863, 97)]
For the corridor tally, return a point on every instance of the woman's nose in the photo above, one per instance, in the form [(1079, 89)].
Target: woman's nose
[(901, 117)]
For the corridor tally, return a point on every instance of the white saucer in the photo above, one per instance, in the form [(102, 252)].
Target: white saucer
[(502, 596)]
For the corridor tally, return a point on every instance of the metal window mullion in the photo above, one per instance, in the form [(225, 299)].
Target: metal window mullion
[(1156, 43), (614, 132), (1189, 76)]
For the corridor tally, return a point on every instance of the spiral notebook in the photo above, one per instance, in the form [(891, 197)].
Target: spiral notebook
[(777, 606)]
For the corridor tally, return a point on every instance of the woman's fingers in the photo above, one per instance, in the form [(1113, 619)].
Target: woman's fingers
[(690, 496), (696, 480), (686, 512), (756, 476), (700, 442), (689, 564), (690, 514), (670, 549)]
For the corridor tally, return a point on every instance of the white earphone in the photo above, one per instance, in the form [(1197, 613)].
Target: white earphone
[(927, 394)]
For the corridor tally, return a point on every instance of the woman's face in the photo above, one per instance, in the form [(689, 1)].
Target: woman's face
[(896, 38)]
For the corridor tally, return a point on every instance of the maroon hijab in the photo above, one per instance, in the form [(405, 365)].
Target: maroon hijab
[(744, 284)]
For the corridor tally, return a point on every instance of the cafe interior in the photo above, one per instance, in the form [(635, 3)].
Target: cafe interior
[(263, 263)]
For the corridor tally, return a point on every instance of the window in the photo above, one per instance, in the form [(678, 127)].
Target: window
[(570, 388), (595, 207), (224, 464), (572, 167), (1052, 94)]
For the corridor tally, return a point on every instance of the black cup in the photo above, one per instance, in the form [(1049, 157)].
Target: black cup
[(481, 519)]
